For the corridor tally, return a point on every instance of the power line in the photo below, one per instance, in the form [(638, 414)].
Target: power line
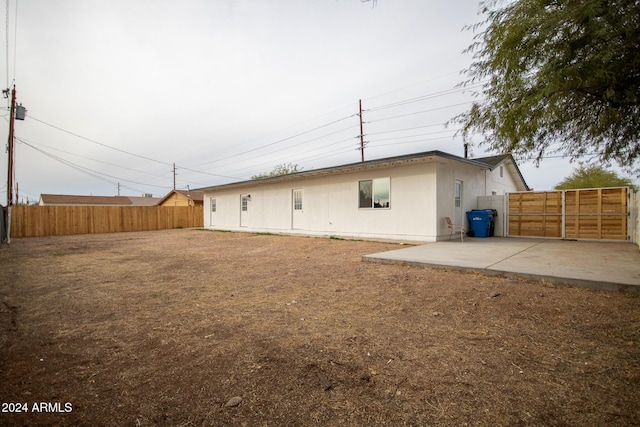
[(412, 136), (90, 172), (88, 158), (99, 143), (15, 42), (7, 39), (278, 141), (424, 97), (421, 112), (405, 129)]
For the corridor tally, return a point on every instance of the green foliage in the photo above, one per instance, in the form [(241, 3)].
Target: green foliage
[(593, 176), (281, 169), (557, 76)]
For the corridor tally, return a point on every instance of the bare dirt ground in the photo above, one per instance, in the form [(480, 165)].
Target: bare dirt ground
[(165, 328)]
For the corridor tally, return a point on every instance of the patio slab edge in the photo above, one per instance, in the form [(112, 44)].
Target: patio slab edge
[(561, 281)]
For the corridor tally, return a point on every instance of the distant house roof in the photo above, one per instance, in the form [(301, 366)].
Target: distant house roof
[(65, 199), (194, 195), (72, 200), (484, 162), (144, 201)]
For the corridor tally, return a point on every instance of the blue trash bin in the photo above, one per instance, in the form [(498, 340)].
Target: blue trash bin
[(480, 222)]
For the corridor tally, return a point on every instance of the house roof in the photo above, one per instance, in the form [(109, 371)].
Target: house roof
[(66, 199), (423, 157), (195, 195), (144, 201)]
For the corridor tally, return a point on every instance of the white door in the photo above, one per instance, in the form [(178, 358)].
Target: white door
[(458, 203), (244, 209), (213, 211), (298, 211)]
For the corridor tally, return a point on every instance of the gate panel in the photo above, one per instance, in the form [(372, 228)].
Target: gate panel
[(596, 214), (535, 214)]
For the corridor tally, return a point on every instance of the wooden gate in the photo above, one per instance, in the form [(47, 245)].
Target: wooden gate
[(600, 213)]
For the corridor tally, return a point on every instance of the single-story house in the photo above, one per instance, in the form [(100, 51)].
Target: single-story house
[(405, 197), (182, 198), (74, 200)]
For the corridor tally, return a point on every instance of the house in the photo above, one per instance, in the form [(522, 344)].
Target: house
[(72, 200), (404, 197), (182, 198)]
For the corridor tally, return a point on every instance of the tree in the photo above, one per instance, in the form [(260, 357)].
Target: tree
[(281, 169), (593, 176), (557, 76)]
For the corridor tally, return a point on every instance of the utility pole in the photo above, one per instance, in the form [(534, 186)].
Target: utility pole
[(15, 113), (361, 134), (174, 176), (10, 148)]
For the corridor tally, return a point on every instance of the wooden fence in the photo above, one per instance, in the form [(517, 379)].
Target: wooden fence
[(35, 221), (600, 213)]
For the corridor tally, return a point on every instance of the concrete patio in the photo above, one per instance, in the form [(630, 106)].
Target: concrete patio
[(610, 266)]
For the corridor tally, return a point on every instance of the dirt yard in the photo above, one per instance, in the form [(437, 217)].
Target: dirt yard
[(167, 328)]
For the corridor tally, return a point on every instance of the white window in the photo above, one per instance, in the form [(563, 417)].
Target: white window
[(245, 200), (214, 205), (374, 193)]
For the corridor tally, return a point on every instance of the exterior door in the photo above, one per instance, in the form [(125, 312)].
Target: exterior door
[(244, 209), (213, 211), (458, 211), (298, 211)]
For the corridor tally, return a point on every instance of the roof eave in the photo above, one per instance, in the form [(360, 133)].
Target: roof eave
[(348, 168)]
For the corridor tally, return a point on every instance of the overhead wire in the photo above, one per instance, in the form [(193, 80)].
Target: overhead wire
[(289, 138), (6, 26), (420, 112), (15, 43), (413, 136), (276, 142), (100, 143), (254, 169), (424, 97), (90, 172), (22, 140)]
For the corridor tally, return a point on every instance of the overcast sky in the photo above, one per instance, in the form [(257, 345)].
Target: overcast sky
[(118, 91)]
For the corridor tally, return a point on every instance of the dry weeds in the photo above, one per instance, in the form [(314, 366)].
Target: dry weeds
[(164, 328)]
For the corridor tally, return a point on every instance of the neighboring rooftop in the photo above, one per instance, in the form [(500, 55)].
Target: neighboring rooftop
[(74, 200)]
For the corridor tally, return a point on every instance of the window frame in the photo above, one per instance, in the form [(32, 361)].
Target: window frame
[(298, 204), (385, 182), (214, 205)]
